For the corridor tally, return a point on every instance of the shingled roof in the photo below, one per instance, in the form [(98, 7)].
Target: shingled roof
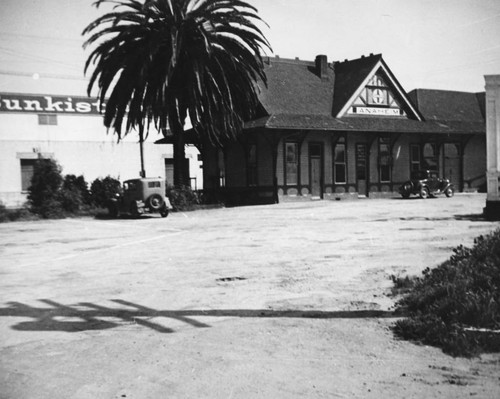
[(295, 87), (298, 98), (443, 105)]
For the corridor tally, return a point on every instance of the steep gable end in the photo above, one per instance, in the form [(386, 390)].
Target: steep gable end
[(377, 98), (378, 94)]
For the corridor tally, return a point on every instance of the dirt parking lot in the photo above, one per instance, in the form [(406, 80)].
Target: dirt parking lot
[(282, 301)]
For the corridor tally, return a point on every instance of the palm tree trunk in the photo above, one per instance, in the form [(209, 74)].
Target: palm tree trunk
[(180, 178), (141, 149)]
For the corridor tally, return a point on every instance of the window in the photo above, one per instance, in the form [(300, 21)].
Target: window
[(377, 96), (47, 119), (291, 157), (414, 158), (384, 159), (430, 153), (252, 164), (339, 162), (169, 171), (27, 170)]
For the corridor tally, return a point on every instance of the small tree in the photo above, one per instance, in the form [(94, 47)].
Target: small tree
[(77, 183), (74, 193), (102, 190), (43, 193)]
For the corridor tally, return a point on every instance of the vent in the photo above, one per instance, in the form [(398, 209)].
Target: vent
[(47, 119)]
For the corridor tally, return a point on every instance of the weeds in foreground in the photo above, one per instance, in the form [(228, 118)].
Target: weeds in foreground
[(456, 306)]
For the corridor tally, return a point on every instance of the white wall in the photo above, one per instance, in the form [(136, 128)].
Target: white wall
[(81, 145)]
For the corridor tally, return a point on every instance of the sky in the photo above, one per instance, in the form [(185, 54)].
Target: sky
[(445, 44)]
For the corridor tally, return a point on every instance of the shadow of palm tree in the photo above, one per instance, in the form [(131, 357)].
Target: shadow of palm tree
[(86, 316)]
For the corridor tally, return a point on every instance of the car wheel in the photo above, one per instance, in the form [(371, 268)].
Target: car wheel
[(155, 202), (448, 192), (134, 210), (113, 210), (164, 212), (424, 193)]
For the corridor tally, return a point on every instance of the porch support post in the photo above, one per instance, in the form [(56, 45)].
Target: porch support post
[(492, 209), (274, 154)]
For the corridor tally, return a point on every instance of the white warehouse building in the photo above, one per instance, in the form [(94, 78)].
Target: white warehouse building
[(70, 130)]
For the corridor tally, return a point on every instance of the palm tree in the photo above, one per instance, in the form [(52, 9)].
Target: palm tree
[(160, 61)]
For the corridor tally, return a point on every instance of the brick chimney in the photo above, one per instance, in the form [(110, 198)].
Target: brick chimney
[(322, 66)]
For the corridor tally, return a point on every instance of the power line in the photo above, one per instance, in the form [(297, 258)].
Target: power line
[(43, 75), (18, 53), (39, 37)]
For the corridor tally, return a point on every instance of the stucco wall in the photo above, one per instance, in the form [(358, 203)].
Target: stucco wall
[(81, 145)]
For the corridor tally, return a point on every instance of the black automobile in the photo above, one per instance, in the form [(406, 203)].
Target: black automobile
[(140, 196), (426, 183)]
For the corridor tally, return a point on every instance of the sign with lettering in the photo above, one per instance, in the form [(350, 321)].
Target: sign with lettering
[(41, 104), (376, 111)]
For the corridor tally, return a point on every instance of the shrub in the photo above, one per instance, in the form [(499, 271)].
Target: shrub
[(447, 303), (10, 215), (44, 191), (74, 193), (183, 198), (102, 190), (78, 183), (4, 213)]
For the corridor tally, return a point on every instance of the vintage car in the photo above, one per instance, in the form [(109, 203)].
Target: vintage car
[(426, 183), (140, 196)]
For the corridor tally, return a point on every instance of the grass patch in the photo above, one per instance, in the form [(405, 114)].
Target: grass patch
[(456, 306), (402, 285)]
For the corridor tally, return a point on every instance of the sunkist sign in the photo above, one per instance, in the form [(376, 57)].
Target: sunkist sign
[(49, 104)]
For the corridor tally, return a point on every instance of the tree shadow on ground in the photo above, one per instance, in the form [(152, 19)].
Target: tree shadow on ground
[(86, 316)]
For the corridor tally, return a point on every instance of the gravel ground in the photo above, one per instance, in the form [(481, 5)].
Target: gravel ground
[(283, 301)]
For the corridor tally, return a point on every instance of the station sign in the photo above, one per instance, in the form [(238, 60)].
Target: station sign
[(376, 111)]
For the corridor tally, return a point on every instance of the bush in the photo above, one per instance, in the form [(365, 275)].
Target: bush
[(78, 183), (44, 191), (74, 194), (182, 199), (460, 295), (10, 215), (4, 213), (51, 195), (102, 190)]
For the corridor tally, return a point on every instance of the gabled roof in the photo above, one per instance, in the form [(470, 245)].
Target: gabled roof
[(350, 75), (444, 105), (294, 87), (298, 98), (357, 73)]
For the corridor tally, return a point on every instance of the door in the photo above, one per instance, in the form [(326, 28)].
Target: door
[(361, 168), (451, 166), (316, 169)]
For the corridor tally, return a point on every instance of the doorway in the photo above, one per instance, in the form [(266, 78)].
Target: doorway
[(451, 164), (362, 168), (316, 169)]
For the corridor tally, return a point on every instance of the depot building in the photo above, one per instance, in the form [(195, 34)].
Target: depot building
[(346, 130), (323, 130)]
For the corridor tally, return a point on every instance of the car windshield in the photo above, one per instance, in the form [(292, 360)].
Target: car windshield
[(130, 185), (420, 175)]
